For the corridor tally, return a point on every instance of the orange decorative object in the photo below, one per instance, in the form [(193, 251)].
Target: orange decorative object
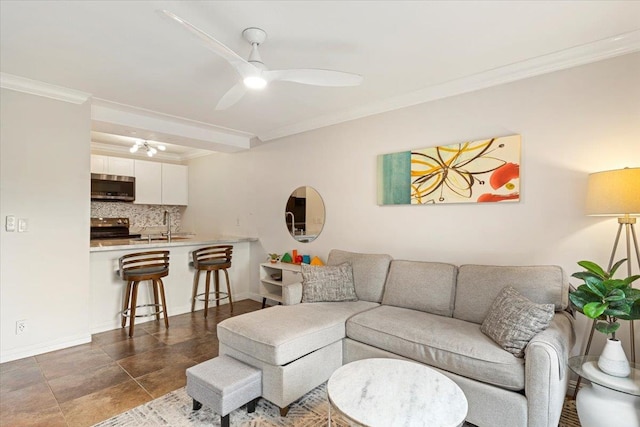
[(294, 256), (316, 261)]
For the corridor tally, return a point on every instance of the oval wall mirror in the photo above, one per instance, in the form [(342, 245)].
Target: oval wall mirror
[(304, 214)]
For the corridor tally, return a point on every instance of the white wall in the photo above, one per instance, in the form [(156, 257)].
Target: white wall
[(44, 177), (572, 123)]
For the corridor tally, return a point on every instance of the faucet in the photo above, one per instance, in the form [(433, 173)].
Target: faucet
[(167, 221), (293, 222)]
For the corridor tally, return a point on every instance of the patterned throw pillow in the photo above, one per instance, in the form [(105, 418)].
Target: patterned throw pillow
[(513, 320), (328, 283)]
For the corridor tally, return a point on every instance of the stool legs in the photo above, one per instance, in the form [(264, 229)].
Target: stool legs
[(131, 302), (194, 294), (132, 312), (207, 289), (226, 274)]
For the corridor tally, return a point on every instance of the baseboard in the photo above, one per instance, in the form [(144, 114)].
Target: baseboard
[(36, 349)]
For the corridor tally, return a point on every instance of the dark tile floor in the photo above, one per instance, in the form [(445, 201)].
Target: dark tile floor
[(85, 384)]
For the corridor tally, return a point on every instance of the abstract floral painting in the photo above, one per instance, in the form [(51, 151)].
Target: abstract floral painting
[(480, 171)]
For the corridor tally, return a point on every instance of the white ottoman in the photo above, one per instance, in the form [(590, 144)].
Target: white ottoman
[(224, 384)]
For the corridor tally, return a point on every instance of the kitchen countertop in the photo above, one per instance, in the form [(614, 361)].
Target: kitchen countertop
[(143, 244)]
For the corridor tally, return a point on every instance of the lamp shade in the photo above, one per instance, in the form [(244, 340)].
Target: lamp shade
[(614, 193)]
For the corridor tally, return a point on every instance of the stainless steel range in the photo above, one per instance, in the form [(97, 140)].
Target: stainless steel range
[(111, 228)]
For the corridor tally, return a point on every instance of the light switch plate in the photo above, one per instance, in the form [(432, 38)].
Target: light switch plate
[(10, 223), (23, 225)]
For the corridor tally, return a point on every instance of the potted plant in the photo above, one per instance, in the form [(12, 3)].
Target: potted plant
[(274, 258), (607, 300)]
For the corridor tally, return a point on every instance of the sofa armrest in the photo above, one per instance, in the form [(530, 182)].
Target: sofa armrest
[(292, 294), (546, 373)]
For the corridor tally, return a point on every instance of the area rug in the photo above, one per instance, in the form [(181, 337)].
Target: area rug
[(175, 409)]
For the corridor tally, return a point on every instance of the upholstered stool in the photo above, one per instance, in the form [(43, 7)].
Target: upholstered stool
[(224, 384), (139, 267), (211, 259)]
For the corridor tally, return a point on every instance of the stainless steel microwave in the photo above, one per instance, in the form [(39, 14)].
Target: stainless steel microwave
[(113, 188)]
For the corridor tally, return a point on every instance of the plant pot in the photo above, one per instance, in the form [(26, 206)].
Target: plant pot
[(613, 360)]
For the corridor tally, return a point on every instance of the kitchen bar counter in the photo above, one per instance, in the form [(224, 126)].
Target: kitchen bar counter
[(107, 289), (143, 244)]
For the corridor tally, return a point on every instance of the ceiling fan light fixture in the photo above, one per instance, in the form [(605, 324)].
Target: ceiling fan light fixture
[(255, 82)]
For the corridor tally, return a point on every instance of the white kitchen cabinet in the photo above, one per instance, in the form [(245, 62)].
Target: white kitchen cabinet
[(148, 182), (273, 276), (161, 183), (175, 184), (112, 165)]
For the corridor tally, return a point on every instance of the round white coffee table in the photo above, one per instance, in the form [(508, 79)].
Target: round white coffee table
[(390, 392)]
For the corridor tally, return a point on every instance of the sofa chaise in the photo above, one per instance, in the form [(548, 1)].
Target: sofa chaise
[(426, 312)]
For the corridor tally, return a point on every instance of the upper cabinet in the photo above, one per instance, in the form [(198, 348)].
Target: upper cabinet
[(175, 184), (161, 183), (112, 165)]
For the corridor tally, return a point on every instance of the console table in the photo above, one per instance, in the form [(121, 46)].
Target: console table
[(608, 401), (385, 392)]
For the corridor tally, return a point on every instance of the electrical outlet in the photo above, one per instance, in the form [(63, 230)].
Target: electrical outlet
[(21, 327)]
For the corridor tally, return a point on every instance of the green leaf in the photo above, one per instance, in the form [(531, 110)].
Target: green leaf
[(582, 275), (615, 295), (582, 296), (594, 268), (594, 310), (634, 312), (596, 286), (615, 284), (629, 280), (607, 328), (613, 269)]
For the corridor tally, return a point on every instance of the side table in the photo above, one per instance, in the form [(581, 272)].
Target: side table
[(608, 401)]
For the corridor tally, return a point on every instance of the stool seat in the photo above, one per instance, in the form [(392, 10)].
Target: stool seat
[(211, 259), (224, 384), (139, 267), (133, 273)]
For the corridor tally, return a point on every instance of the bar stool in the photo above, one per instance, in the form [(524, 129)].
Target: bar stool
[(211, 259), (136, 268)]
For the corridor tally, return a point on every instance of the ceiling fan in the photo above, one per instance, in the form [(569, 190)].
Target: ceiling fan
[(254, 73)]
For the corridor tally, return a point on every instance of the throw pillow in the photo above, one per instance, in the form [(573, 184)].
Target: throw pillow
[(513, 320), (328, 283)]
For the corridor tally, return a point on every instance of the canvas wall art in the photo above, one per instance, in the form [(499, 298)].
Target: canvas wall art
[(480, 171)]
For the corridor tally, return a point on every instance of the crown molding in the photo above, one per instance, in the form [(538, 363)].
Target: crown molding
[(35, 87), (579, 55)]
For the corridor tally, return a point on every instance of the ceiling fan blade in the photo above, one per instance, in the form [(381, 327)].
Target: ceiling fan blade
[(232, 96), (316, 77), (243, 67)]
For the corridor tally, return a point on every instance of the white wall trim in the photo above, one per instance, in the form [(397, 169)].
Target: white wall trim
[(41, 348), (35, 87), (580, 55)]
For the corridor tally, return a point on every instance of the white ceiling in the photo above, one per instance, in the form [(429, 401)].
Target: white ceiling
[(125, 54)]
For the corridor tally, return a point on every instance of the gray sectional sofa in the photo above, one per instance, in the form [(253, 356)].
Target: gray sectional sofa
[(422, 311)]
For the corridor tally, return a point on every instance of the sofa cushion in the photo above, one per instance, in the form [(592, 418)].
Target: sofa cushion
[(281, 334), (513, 320), (369, 272), (479, 285), (328, 283), (443, 342), (424, 286)]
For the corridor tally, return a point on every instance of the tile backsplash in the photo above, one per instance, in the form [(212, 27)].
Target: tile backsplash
[(142, 218)]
